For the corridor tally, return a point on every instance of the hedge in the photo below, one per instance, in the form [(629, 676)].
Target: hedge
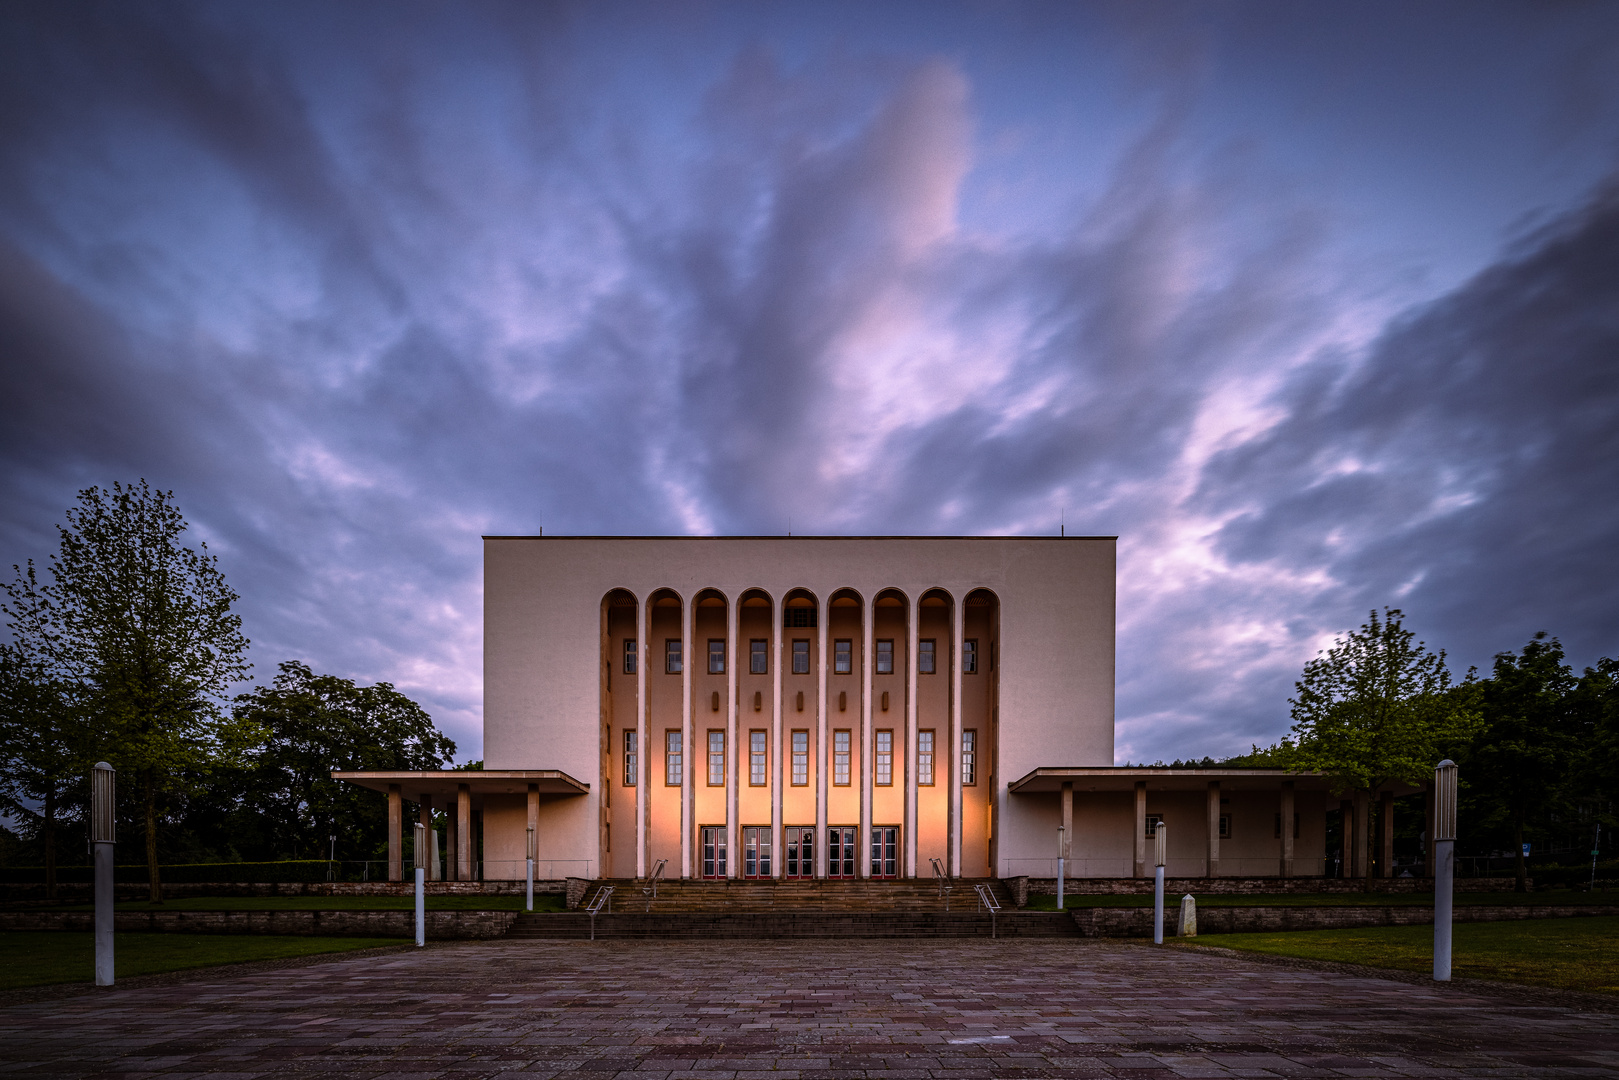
[(292, 870)]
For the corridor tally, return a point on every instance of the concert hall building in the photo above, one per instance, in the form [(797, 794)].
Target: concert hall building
[(826, 707)]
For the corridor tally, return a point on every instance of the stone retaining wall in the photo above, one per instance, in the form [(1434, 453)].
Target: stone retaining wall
[(1137, 921), (441, 925), (81, 893), (1235, 886)]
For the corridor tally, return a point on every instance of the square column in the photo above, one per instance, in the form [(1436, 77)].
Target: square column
[(1139, 867), (733, 774), (1287, 829), (396, 857), (425, 816), (532, 843), (952, 749), (823, 757), (452, 832), (1346, 830), (463, 832), (1211, 866), (688, 755), (868, 623), (1363, 839), (778, 752), (1385, 831), (912, 650), (643, 749), (1067, 821)]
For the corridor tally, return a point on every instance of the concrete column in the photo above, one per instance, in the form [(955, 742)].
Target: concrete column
[(643, 747), (1067, 820), (1212, 859), (425, 816), (533, 825), (688, 754), (778, 751), (1363, 840), (396, 857), (733, 773), (914, 639), (951, 751), (463, 832), (1346, 826), (452, 832), (1139, 868), (1385, 830), (823, 756), (1287, 828), (868, 625)]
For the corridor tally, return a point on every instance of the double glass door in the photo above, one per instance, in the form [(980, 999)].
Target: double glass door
[(841, 850), (714, 851), (885, 851), (800, 851), (756, 851)]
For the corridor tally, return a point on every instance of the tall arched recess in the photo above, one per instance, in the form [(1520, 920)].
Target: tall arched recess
[(980, 724), (620, 749), (890, 686), (664, 752), (935, 683)]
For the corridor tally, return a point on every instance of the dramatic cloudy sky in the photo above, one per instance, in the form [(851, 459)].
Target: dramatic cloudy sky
[(1316, 307)]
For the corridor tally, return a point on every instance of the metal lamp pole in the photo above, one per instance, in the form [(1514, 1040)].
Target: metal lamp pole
[(531, 868), (421, 888), (1160, 842), (1062, 835), (1444, 865), (102, 825)]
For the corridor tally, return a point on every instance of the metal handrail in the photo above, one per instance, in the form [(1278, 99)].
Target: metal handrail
[(604, 896), (945, 886), (650, 890), (986, 899)]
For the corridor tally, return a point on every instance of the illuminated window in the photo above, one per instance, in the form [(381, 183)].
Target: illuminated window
[(840, 758), (671, 656), (673, 759), (842, 656), (716, 656), (969, 656), (800, 758), (632, 759), (756, 757), (969, 756), (924, 758), (716, 759), (885, 758)]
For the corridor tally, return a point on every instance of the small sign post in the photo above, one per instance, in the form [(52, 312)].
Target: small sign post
[(421, 888), (1160, 842), (1062, 834), (102, 825), (1444, 865)]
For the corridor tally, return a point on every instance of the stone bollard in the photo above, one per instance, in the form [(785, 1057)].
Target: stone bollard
[(1188, 923)]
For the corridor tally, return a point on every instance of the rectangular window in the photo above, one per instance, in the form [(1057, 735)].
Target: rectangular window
[(757, 757), (924, 758), (801, 656), (632, 759), (969, 656), (885, 758), (1225, 826), (924, 657), (840, 757), (969, 756), (1152, 825), (629, 656), (716, 759), (674, 759), (843, 656), (716, 656), (758, 657), (798, 616), (671, 656), (800, 758), (885, 656)]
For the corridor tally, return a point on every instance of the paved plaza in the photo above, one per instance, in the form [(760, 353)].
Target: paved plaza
[(811, 1008)]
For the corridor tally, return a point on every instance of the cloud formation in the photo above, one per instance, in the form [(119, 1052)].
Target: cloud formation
[(361, 288)]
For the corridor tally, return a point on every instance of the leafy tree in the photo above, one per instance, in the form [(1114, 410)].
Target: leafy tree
[(312, 724), (1377, 706), (141, 628), (39, 740)]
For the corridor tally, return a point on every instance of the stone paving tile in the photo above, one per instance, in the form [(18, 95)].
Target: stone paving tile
[(802, 1010)]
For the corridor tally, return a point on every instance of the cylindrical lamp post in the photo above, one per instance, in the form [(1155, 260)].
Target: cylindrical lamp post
[(103, 823), (530, 868), (1160, 843), (1444, 866), (1062, 836), (421, 887)]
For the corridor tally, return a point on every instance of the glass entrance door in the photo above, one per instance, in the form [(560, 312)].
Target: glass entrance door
[(800, 851), (756, 851), (714, 851), (885, 851), (841, 850)]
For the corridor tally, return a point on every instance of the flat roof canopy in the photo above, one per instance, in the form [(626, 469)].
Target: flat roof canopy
[(482, 782), (1051, 778)]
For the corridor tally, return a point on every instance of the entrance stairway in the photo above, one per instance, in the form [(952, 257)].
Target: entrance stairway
[(794, 909)]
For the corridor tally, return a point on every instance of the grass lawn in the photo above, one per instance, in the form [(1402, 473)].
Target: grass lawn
[(542, 902), (1570, 954), (36, 958), (1049, 903)]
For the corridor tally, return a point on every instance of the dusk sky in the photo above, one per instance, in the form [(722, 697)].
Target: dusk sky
[(1315, 306)]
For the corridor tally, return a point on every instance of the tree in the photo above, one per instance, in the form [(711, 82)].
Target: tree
[(1376, 707), (312, 724), (141, 628), (39, 741)]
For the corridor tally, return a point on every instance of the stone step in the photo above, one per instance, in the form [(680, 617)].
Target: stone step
[(795, 925), (696, 897)]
